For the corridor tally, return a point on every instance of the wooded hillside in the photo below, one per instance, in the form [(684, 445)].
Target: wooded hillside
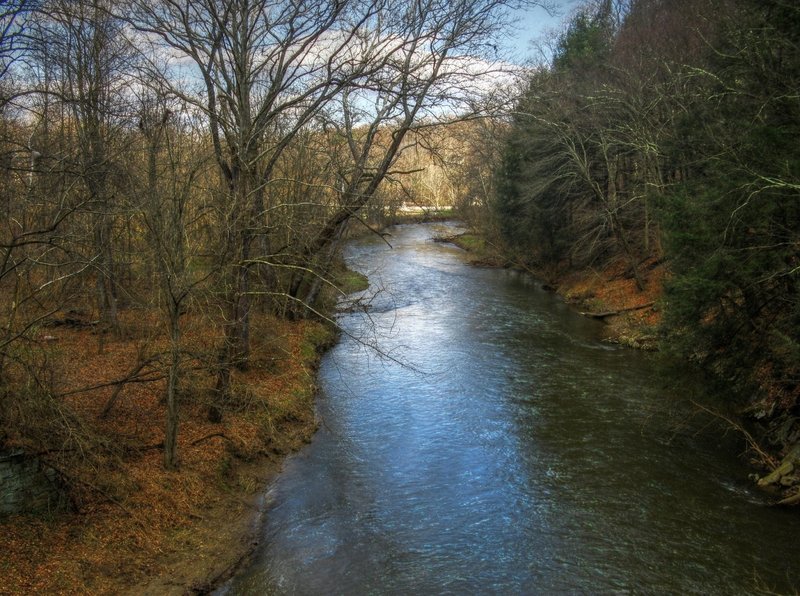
[(205, 157), (175, 180), (666, 133)]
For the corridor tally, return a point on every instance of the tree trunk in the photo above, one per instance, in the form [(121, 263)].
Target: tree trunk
[(619, 230), (171, 431)]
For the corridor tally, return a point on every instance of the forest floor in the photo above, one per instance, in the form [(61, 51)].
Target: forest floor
[(608, 293), (133, 526)]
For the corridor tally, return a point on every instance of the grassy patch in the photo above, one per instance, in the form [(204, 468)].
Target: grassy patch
[(344, 281), (471, 242), (421, 217), (349, 281), (481, 252)]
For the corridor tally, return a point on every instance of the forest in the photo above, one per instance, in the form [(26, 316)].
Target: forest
[(205, 159), (177, 179), (663, 136)]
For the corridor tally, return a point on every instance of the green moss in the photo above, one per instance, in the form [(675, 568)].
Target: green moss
[(343, 281), (481, 252), (349, 281), (319, 336), (471, 242)]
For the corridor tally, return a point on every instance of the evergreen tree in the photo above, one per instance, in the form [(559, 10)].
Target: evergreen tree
[(733, 230)]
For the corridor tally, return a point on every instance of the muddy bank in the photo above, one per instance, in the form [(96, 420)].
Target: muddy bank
[(224, 537)]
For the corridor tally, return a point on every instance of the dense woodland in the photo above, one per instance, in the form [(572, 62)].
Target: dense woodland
[(202, 159), (176, 178), (663, 134)]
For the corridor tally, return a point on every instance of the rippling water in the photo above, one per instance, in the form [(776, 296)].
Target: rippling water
[(477, 437)]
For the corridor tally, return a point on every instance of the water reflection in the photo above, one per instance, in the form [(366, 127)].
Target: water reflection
[(502, 448)]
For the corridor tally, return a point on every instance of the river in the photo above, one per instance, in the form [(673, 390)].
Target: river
[(477, 437)]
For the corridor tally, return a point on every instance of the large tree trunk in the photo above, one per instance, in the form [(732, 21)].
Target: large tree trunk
[(235, 349)]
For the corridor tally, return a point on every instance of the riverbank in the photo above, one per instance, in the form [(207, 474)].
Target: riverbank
[(135, 527), (499, 425), (631, 316)]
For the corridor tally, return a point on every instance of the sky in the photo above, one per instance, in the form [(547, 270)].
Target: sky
[(532, 24)]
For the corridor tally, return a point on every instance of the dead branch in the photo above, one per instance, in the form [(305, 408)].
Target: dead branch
[(153, 446), (73, 479), (211, 436), (790, 500), (766, 459), (131, 377)]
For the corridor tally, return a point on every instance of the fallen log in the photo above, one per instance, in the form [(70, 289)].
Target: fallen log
[(791, 500), (71, 322), (613, 313), (786, 467)]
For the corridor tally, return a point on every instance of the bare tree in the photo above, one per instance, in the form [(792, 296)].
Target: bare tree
[(12, 13), (256, 67), (439, 69), (172, 166), (87, 59), (259, 72)]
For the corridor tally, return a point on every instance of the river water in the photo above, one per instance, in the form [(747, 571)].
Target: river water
[(477, 437)]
